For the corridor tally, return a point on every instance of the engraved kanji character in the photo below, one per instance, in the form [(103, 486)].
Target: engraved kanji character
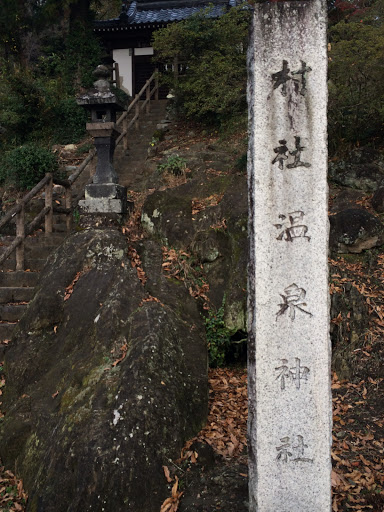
[(281, 78), (281, 153), (296, 153), (296, 229), (283, 450), (303, 72), (292, 300), (294, 374)]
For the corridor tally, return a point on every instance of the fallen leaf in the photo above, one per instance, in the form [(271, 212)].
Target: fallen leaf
[(167, 474), (124, 349)]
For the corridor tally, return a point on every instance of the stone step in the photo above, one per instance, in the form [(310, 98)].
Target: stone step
[(35, 250), (16, 294), (33, 264), (18, 279), (51, 239), (6, 330), (39, 250), (12, 312), (60, 228)]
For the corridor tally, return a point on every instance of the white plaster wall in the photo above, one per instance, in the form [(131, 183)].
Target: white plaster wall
[(144, 51), (124, 59)]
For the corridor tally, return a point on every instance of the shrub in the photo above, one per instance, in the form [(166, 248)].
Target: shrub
[(175, 165), (218, 336), (37, 102), (213, 85), (356, 82), (25, 166), (70, 121)]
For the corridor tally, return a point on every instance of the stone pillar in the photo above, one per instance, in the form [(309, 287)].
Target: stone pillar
[(105, 172), (290, 413)]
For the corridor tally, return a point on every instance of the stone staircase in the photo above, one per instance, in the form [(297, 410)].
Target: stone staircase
[(17, 288), (131, 165)]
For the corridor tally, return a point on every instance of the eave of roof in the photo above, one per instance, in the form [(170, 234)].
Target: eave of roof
[(152, 14)]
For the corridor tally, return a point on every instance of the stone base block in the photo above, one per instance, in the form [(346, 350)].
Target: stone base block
[(105, 191), (103, 205), (104, 198)]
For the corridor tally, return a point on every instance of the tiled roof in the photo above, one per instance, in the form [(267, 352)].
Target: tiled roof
[(139, 13)]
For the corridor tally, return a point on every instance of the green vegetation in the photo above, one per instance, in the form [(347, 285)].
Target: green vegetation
[(213, 85), (175, 165), (47, 54), (218, 336), (211, 89), (356, 80), (37, 104), (24, 166)]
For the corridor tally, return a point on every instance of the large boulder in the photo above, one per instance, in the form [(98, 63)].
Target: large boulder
[(208, 218), (363, 170), (349, 324), (365, 177), (378, 200), (355, 230), (106, 379)]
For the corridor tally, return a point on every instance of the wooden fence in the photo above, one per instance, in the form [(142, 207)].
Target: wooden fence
[(141, 102)]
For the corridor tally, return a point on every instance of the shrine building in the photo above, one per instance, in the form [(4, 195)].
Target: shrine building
[(127, 38)]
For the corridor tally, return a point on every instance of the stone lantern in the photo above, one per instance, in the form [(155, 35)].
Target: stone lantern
[(104, 195)]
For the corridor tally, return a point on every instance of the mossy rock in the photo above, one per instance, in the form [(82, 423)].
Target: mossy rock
[(103, 387)]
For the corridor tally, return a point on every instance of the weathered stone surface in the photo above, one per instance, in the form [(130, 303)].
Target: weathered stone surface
[(364, 176), (290, 414), (354, 231), (345, 198), (87, 428), (106, 191), (350, 320), (363, 169), (103, 205), (104, 198), (216, 236), (378, 200)]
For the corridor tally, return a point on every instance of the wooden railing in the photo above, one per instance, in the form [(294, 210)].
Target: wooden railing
[(139, 108), (17, 213)]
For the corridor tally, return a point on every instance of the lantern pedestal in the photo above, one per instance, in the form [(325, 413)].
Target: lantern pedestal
[(104, 195), (104, 198)]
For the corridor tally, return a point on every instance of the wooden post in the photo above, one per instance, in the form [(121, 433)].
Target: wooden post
[(137, 113), (20, 232), (148, 98), (48, 202), (157, 85), (125, 131), (117, 74), (68, 205)]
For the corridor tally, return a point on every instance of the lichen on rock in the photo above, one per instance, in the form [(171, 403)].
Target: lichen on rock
[(95, 408)]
